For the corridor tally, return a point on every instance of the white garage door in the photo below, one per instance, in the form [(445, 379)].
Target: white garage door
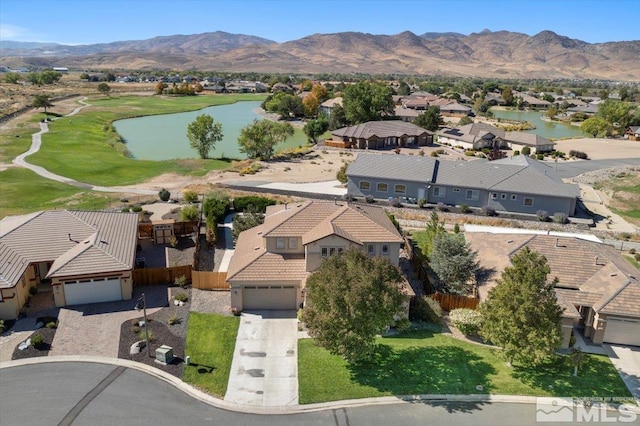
[(624, 331), (92, 291), (273, 297)]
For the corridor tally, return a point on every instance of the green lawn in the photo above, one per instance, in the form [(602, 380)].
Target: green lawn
[(211, 340), (22, 191), (423, 362)]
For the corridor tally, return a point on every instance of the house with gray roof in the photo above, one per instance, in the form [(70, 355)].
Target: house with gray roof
[(382, 134), (483, 135), (81, 256), (517, 184)]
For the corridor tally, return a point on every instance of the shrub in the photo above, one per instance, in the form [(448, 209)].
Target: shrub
[(182, 281), (441, 206), (403, 325), (516, 152), (488, 211), (424, 308), (637, 257), (135, 329), (164, 194), (259, 204), (526, 150), (181, 297), (136, 209), (467, 321), (125, 210), (37, 340), (578, 154), (433, 154), (422, 202), (51, 324), (632, 251), (189, 213), (560, 217), (542, 215), (142, 335), (173, 320), (190, 196), (470, 153), (465, 209), (539, 157), (369, 199)]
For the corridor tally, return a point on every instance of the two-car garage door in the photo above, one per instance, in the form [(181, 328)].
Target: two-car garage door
[(272, 297), (623, 331), (92, 291)]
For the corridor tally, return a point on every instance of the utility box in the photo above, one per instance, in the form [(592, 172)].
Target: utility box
[(164, 354)]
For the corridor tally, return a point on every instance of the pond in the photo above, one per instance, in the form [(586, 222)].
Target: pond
[(546, 129), (164, 137)]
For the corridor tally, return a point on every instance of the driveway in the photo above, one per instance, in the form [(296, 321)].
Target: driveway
[(264, 370), (626, 359)]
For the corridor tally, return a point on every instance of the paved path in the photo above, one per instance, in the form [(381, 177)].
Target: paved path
[(626, 359), (264, 371)]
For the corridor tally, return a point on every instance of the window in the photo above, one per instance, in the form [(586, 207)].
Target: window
[(371, 249), (494, 195), (528, 202), (325, 251), (330, 251), (382, 187), (293, 243), (365, 185), (513, 197), (385, 249), (280, 243), (503, 196), (456, 189), (472, 194), (340, 250), (400, 189), (438, 191)]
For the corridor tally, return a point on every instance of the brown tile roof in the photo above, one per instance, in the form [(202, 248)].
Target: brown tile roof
[(625, 301), (77, 242)]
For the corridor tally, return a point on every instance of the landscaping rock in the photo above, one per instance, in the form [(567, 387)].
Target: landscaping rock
[(137, 347), (24, 345), (39, 325)]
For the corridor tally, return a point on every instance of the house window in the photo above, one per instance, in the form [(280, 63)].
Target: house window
[(528, 202), (280, 243), (456, 189), (332, 251), (439, 191), (494, 195), (513, 197), (382, 187), (325, 251), (503, 196), (340, 250), (371, 249), (293, 243), (385, 249), (400, 189), (472, 194), (365, 185)]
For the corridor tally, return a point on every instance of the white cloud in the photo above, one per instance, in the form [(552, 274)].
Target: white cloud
[(17, 33)]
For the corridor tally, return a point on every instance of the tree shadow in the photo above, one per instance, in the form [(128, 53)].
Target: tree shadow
[(425, 370)]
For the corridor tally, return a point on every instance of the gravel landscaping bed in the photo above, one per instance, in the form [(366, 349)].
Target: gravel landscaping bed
[(47, 333), (162, 333)]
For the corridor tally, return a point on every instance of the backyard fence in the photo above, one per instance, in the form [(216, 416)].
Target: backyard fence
[(454, 301), (207, 280), (160, 276)]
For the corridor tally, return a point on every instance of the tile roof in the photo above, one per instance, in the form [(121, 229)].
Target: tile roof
[(77, 242), (474, 132), (396, 167), (381, 129)]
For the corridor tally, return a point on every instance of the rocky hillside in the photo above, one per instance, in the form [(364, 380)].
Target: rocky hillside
[(484, 54)]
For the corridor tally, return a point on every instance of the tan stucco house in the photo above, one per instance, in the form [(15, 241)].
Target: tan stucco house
[(84, 256), (597, 288), (272, 261)]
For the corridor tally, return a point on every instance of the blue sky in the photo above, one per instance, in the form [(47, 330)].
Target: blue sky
[(97, 21)]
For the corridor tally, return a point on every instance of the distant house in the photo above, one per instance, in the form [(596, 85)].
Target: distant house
[(381, 135), (633, 133), (406, 114), (272, 261), (516, 184), (597, 288), (449, 108), (61, 70), (327, 106), (82, 256), (532, 102), (483, 135)]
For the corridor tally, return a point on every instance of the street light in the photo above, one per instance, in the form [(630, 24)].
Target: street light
[(142, 304)]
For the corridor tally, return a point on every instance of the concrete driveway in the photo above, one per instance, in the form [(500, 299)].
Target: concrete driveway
[(626, 359), (264, 370)]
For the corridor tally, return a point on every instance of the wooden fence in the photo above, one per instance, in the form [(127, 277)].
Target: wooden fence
[(207, 280), (454, 301), (160, 276)]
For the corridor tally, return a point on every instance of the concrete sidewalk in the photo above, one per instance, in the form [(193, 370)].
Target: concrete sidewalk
[(264, 371), (626, 359)]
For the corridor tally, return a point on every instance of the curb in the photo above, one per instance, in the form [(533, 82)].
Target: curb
[(296, 409)]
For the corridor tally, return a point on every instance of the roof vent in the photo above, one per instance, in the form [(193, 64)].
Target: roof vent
[(256, 248), (509, 242), (613, 274)]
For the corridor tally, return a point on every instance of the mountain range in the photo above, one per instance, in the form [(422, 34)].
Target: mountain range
[(503, 54)]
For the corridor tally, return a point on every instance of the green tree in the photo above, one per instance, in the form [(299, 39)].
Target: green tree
[(316, 128), (164, 194), (337, 119), (552, 111), (104, 88), (433, 229), (258, 139), (507, 95), (454, 262), (12, 78), (341, 175), (429, 119), (404, 89), (189, 213), (365, 101), (42, 101), (285, 104), (351, 298), (203, 133), (616, 113), (596, 127), (521, 313), (465, 120)]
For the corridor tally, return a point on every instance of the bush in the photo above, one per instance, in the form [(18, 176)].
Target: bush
[(173, 320), (189, 213), (539, 157), (422, 202), (488, 211), (578, 154), (467, 321), (164, 194), (516, 152), (125, 210), (637, 257), (369, 199), (181, 297), (441, 206), (37, 340), (403, 325), (51, 324), (465, 209), (433, 154), (190, 196), (542, 215), (632, 251), (259, 204), (470, 153), (424, 308), (526, 150), (560, 217), (182, 281), (136, 209), (142, 335)]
